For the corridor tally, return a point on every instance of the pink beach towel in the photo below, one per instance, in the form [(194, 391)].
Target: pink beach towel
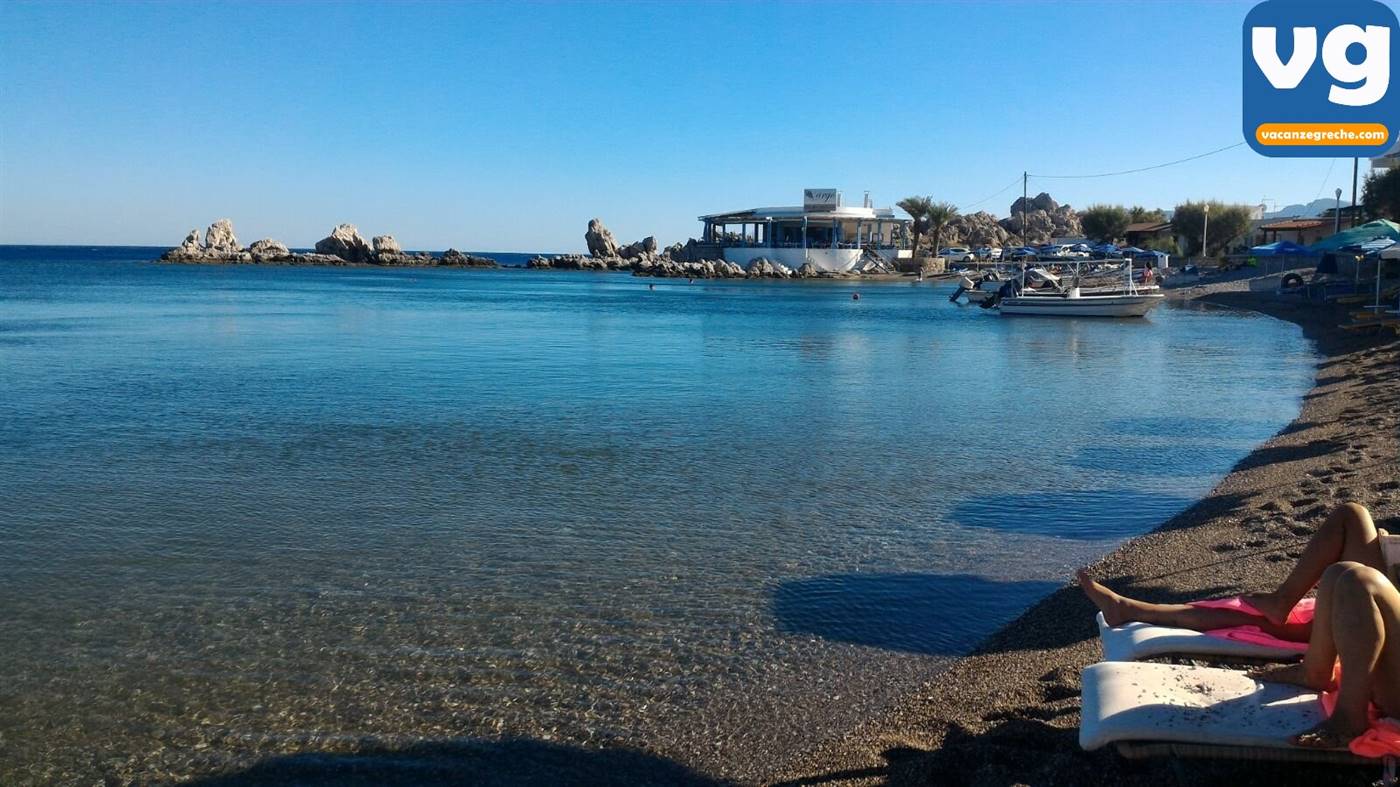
[(1301, 613), (1381, 739)]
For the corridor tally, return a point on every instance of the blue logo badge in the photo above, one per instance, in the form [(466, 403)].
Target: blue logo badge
[(1319, 78)]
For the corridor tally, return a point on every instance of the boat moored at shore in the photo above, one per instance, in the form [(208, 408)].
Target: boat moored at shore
[(1070, 299), (1075, 304)]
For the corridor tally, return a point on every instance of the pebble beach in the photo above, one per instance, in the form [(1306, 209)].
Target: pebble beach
[(1009, 712)]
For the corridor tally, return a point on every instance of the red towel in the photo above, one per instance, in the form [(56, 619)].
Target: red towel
[(1381, 739), (1302, 612)]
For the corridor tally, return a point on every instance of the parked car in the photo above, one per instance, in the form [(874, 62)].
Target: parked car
[(957, 254), (987, 253)]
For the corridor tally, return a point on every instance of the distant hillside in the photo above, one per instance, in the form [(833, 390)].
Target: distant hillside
[(1314, 208)]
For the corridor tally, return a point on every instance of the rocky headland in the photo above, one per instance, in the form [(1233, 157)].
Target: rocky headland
[(1044, 218), (344, 246)]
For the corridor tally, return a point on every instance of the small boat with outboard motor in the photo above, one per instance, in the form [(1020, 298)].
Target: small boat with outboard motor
[(1056, 299)]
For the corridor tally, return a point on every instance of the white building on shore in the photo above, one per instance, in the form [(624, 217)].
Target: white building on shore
[(821, 231)]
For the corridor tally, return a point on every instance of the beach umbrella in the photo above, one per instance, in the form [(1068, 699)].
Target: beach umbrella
[(1356, 236), (1389, 254), (1280, 248), (1375, 246)]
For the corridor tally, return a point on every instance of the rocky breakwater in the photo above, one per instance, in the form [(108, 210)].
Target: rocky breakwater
[(604, 253), (218, 244), (344, 246)]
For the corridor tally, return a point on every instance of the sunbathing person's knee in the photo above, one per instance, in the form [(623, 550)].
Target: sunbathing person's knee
[(1360, 575)]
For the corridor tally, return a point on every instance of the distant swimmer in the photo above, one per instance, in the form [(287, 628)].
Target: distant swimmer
[(651, 286), (855, 296)]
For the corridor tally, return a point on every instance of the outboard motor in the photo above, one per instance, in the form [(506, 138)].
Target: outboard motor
[(1007, 290), (964, 284)]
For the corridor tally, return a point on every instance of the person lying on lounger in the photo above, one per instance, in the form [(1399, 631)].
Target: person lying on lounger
[(1356, 607), (1347, 535), (1354, 650)]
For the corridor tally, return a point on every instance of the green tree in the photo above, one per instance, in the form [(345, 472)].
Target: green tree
[(938, 216), (1227, 222), (1137, 214), (1163, 244), (917, 208), (1381, 197), (1104, 223)]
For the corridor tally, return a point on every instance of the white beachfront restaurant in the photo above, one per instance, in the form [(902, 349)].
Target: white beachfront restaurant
[(832, 237)]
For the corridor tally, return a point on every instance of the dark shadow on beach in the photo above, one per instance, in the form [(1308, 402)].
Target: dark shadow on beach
[(932, 614), (480, 763), (1269, 455), (1066, 616), (1021, 750)]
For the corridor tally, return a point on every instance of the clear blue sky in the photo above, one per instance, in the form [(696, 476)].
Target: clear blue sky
[(506, 127)]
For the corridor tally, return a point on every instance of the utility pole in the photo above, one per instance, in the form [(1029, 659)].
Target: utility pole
[(1355, 165), (1025, 179), (1205, 231)]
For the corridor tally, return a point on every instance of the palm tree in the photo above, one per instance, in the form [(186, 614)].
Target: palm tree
[(917, 208), (937, 216)]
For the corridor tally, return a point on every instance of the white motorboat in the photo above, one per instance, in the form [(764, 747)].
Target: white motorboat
[(1075, 304), (980, 291), (1127, 300)]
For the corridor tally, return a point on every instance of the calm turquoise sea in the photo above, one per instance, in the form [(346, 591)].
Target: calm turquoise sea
[(254, 510)]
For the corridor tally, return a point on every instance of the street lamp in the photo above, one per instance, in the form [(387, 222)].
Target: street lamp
[(1337, 226), (1205, 228)]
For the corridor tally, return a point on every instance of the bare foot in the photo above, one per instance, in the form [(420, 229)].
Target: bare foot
[(1115, 611), (1273, 608), (1293, 674), (1330, 734)]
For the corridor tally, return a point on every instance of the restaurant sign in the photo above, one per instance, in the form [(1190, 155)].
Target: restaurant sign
[(820, 199)]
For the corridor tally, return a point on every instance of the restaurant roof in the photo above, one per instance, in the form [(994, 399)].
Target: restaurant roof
[(797, 212), (1149, 226), (1294, 224)]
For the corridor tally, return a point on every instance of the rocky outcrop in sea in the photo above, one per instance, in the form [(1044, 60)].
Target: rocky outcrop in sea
[(344, 246)]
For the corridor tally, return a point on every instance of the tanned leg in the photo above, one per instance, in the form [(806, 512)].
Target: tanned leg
[(1364, 608), (1118, 609), (1347, 534), (1315, 671)]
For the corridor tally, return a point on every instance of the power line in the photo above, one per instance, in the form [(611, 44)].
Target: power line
[(990, 197), (1325, 178), (1143, 169)]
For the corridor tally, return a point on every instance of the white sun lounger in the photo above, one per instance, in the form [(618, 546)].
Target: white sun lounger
[(1167, 709), (1137, 641)]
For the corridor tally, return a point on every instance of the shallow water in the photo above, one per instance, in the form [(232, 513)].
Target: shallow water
[(258, 509)]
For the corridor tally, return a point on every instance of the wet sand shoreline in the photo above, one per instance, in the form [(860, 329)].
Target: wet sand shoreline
[(1009, 712)]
